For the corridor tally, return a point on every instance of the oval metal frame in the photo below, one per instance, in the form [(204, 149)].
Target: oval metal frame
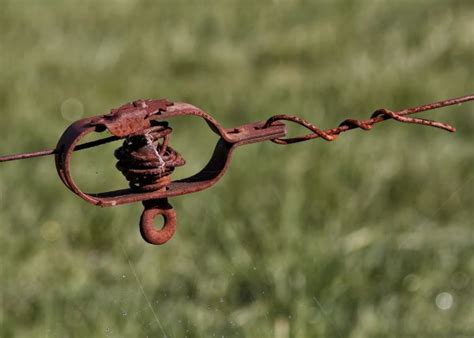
[(208, 176)]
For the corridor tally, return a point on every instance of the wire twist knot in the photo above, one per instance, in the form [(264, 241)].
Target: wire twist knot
[(147, 161)]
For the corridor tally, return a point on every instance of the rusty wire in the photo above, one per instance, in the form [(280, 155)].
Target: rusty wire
[(147, 161), (328, 135), (378, 116)]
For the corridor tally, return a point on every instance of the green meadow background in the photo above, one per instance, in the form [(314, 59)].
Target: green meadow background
[(368, 236)]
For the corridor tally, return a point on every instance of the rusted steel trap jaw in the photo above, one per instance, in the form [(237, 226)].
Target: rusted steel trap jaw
[(147, 161)]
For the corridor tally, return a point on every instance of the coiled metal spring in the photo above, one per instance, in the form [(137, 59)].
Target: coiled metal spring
[(146, 160)]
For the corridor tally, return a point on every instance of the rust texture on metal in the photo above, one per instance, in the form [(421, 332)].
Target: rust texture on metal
[(147, 160)]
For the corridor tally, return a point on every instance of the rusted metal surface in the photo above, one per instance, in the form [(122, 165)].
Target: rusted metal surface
[(147, 161), (378, 116)]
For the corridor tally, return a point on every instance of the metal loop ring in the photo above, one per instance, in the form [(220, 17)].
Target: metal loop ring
[(147, 227)]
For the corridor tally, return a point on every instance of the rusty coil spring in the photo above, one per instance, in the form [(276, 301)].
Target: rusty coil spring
[(146, 162)]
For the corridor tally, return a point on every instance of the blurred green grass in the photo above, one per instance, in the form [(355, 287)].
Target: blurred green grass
[(368, 236)]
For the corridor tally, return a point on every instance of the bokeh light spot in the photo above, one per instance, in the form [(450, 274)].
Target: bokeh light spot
[(72, 109), (444, 301)]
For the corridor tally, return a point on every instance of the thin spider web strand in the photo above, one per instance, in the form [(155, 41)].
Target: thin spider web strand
[(325, 314), (141, 288)]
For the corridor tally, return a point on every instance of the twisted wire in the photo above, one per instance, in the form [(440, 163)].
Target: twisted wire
[(147, 161), (329, 135), (376, 117)]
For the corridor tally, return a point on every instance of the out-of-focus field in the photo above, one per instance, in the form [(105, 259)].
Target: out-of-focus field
[(368, 236)]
